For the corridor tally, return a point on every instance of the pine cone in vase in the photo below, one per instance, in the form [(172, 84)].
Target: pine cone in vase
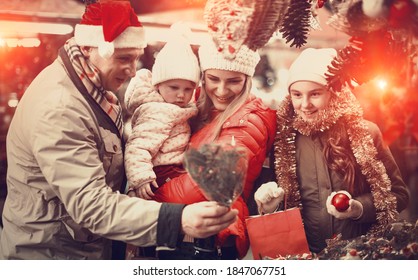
[(219, 170), (295, 25)]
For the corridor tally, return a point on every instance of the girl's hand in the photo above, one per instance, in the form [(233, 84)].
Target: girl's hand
[(268, 197), (354, 211)]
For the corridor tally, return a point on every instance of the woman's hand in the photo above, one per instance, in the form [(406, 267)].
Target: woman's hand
[(268, 197), (354, 211)]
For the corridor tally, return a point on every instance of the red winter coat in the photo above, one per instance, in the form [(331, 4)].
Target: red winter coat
[(253, 127)]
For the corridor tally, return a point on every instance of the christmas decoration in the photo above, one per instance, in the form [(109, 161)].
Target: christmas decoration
[(265, 20), (344, 105), (364, 58), (345, 66), (401, 13), (233, 23), (219, 170), (341, 201), (381, 40), (397, 241), (320, 3), (373, 8), (295, 26)]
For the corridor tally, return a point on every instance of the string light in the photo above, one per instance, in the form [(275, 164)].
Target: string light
[(381, 84)]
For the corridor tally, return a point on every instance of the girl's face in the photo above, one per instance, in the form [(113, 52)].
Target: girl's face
[(223, 86), (308, 98), (177, 91), (117, 69)]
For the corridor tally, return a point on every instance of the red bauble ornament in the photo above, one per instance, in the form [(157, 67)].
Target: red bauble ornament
[(320, 3), (400, 12), (341, 201)]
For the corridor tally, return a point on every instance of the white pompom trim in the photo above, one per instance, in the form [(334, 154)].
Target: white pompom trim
[(106, 49), (92, 36)]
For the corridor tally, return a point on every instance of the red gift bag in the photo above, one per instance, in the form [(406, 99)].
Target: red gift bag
[(277, 234)]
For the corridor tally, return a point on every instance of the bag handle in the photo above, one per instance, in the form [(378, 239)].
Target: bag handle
[(285, 202), (277, 208)]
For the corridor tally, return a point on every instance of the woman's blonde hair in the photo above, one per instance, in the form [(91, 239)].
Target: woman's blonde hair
[(205, 106)]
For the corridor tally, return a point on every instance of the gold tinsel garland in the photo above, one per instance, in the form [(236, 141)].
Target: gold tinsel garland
[(344, 105)]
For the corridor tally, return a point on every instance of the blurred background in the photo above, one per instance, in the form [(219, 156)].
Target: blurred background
[(32, 31)]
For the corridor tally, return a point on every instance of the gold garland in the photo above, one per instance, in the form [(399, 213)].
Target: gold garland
[(344, 105)]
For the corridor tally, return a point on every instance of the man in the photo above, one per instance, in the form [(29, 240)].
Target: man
[(65, 155)]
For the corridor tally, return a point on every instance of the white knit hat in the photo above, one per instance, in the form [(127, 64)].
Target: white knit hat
[(110, 25), (176, 60), (245, 59), (311, 65)]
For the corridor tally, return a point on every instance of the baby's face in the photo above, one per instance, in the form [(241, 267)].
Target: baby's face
[(177, 91)]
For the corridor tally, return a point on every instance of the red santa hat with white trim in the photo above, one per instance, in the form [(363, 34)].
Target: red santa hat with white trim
[(108, 25)]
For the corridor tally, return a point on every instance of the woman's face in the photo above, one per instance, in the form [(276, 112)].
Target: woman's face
[(308, 98), (223, 86)]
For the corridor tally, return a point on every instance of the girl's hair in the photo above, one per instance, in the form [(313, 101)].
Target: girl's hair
[(205, 106), (340, 158)]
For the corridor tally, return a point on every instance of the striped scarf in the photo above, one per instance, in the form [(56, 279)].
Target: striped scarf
[(89, 76)]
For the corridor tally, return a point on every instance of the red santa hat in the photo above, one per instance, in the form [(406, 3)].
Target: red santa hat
[(109, 25)]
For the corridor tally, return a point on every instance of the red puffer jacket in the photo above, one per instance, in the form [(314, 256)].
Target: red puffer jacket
[(253, 127)]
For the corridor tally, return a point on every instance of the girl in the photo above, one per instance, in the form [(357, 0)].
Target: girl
[(324, 145)]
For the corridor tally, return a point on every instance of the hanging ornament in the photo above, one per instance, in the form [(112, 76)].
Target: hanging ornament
[(313, 19), (320, 3), (265, 20), (342, 68), (373, 8), (295, 26), (361, 23), (366, 57), (232, 23), (401, 13)]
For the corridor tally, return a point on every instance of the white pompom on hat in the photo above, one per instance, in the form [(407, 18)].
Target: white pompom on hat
[(244, 62), (311, 65), (176, 60), (110, 25)]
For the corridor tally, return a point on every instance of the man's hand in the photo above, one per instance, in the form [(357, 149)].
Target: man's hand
[(354, 211), (206, 218), (268, 196)]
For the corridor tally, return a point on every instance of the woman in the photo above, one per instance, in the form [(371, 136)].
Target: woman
[(227, 110), (323, 146)]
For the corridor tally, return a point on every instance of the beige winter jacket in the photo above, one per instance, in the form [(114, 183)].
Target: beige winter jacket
[(64, 173)]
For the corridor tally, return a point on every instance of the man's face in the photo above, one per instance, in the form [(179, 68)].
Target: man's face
[(117, 69)]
